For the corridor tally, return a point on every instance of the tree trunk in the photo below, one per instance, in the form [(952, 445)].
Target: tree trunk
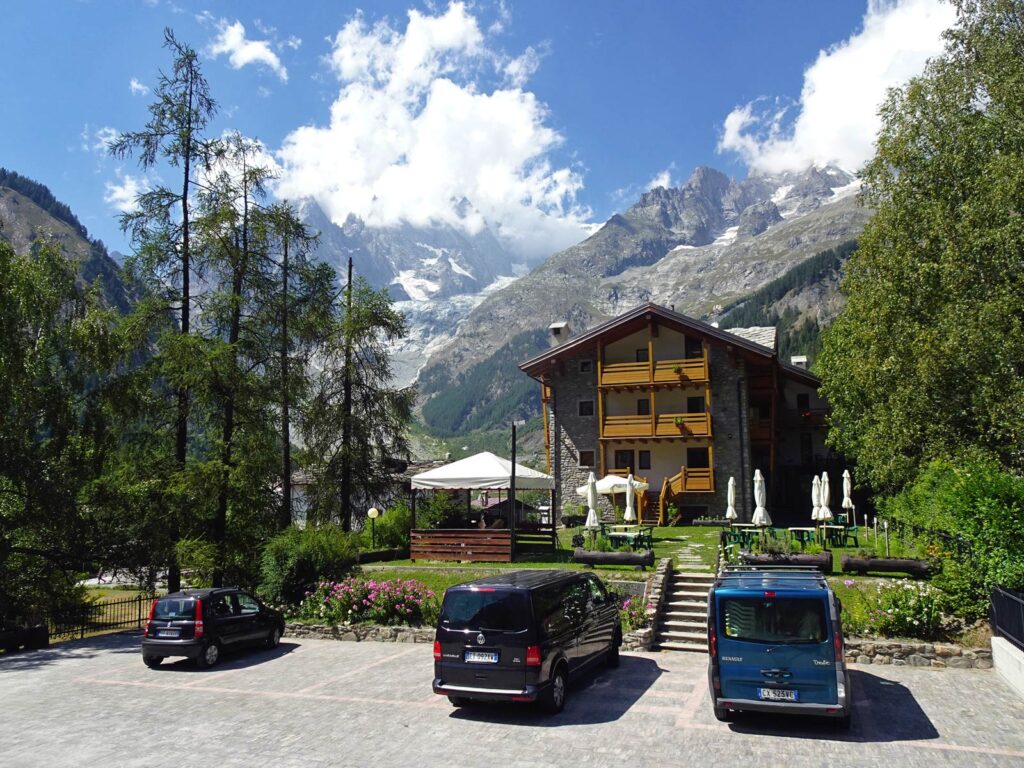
[(346, 427), (285, 518)]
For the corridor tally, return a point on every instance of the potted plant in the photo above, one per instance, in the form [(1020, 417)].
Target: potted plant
[(679, 421)]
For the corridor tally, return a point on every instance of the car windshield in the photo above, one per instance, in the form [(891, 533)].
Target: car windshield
[(478, 609), (172, 608), (773, 620)]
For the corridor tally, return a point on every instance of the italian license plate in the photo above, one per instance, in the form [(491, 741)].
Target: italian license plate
[(168, 632), (776, 694), (481, 657)]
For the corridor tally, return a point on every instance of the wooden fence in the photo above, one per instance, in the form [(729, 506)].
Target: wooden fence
[(471, 544)]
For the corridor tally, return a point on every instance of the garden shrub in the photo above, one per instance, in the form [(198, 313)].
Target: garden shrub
[(357, 600), (438, 510), (634, 614), (296, 559), (906, 609), (391, 530)]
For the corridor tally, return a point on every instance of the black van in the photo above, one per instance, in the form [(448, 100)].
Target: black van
[(522, 635)]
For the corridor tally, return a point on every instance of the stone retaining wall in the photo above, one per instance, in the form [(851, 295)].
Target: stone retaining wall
[(862, 650), (360, 632), (654, 594)]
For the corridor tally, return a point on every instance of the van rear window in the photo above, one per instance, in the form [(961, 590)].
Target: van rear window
[(476, 610), (772, 620), (174, 608)]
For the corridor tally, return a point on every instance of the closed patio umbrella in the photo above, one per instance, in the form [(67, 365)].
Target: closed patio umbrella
[(815, 498), (761, 517), (848, 497), (824, 513), (730, 510), (630, 515), (592, 503)]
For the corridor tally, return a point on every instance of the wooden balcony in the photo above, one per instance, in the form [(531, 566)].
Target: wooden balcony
[(686, 481), (761, 430), (660, 425), (693, 370)]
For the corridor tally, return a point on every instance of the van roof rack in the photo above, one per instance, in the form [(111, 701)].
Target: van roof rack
[(783, 568)]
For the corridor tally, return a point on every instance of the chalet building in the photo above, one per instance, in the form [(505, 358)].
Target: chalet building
[(685, 406)]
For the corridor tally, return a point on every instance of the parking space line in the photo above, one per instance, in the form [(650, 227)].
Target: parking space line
[(361, 669)]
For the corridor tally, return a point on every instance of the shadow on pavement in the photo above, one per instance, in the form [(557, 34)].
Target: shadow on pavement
[(883, 711), (118, 642), (601, 696), (232, 659)]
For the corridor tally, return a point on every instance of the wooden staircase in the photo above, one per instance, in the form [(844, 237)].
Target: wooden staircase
[(683, 622)]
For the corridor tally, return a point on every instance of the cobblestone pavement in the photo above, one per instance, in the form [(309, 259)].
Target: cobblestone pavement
[(320, 703)]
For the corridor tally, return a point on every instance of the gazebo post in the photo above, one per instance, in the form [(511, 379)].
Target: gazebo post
[(413, 509), (512, 494)]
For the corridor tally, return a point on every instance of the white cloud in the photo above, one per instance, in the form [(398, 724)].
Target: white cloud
[(521, 68), (98, 140), (122, 194), (412, 132), (662, 179), (836, 120), (137, 88), (241, 51)]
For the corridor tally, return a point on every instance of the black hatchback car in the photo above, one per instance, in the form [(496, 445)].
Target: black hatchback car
[(521, 636), (200, 623)]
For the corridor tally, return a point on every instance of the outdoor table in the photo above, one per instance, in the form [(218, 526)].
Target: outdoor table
[(832, 533), (803, 535), (742, 525), (628, 533)]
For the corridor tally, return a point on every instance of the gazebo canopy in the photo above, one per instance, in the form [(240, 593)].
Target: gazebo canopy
[(482, 471)]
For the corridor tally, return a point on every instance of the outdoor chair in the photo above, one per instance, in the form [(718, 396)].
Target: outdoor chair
[(851, 534)]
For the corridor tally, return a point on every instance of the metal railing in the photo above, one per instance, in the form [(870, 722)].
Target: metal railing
[(1007, 615), (97, 618), (958, 543)]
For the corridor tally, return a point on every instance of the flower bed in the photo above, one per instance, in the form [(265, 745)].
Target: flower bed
[(357, 600)]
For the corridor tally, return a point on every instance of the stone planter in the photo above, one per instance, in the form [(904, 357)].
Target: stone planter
[(880, 650), (360, 632), (822, 561), (862, 565)]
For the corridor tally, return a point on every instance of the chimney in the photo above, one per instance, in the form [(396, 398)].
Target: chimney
[(558, 333), (800, 361)]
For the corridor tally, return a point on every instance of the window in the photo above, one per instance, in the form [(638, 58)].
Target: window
[(477, 610), (248, 604), (220, 606), (586, 458), (586, 366), (695, 404), (773, 620), (624, 460), (597, 593), (806, 449), (694, 348), (643, 407), (697, 458), (586, 407), (644, 459), (641, 355), (803, 401)]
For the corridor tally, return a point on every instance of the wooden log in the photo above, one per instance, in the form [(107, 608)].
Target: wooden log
[(587, 557), (821, 561), (862, 565)]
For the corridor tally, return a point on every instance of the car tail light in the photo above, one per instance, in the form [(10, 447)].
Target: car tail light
[(437, 650), (712, 641), (533, 656), (769, 594), (149, 621), (837, 641), (199, 619)]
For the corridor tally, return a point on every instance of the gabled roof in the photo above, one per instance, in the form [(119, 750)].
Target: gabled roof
[(482, 471), (759, 342)]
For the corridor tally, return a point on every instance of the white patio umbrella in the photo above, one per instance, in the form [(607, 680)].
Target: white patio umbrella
[(629, 515), (592, 522), (848, 497), (761, 517), (815, 498), (730, 510), (824, 513)]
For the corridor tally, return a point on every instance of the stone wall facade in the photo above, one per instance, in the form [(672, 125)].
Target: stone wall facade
[(570, 433), (937, 655), (360, 632)]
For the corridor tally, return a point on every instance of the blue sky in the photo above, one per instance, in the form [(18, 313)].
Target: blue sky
[(548, 116)]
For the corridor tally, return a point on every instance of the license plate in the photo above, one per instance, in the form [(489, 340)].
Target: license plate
[(776, 694), (168, 632), (481, 657)]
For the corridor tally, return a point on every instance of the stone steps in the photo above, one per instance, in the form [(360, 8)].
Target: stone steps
[(682, 624)]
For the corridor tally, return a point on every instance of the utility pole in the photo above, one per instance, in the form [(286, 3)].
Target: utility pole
[(346, 427)]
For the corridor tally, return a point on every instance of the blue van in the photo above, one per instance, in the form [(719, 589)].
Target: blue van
[(775, 644)]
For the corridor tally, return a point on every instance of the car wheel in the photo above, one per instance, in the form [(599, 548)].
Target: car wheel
[(722, 714), (209, 655), (558, 690), (613, 651), (274, 638), (152, 661), (458, 701)]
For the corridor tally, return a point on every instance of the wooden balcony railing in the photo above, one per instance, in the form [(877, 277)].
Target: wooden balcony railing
[(692, 370), (761, 429), (683, 425), (660, 425), (688, 480)]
